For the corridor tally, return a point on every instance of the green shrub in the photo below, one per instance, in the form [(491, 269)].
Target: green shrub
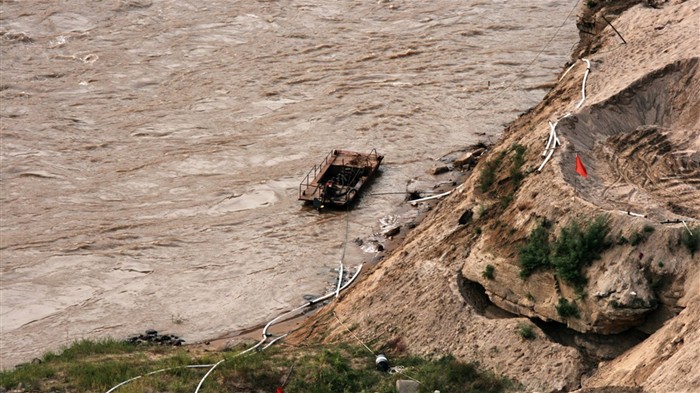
[(490, 169), (640, 237), (516, 175), (691, 239), (525, 331), (488, 272), (534, 254), (488, 172), (636, 238), (507, 199), (621, 240), (576, 247), (566, 309)]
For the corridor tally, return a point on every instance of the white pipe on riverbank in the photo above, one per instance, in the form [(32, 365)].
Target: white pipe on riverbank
[(265, 334), (157, 372), (415, 201), (340, 279)]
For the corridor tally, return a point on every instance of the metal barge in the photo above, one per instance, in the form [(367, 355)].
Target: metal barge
[(338, 179)]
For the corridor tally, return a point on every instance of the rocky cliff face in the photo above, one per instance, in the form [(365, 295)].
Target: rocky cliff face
[(591, 265)]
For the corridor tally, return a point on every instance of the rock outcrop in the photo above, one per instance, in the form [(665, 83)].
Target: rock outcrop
[(638, 134)]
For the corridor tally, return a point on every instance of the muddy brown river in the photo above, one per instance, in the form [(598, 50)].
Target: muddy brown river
[(152, 150)]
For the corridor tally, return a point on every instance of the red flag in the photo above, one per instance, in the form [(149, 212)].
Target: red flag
[(580, 169)]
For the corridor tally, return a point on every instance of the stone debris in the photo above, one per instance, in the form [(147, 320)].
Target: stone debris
[(152, 337)]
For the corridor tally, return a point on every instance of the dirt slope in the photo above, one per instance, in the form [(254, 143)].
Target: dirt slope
[(638, 134)]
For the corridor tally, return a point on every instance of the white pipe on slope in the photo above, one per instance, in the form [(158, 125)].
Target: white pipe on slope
[(567, 71), (583, 85)]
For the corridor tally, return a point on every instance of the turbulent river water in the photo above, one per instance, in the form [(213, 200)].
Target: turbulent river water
[(152, 150)]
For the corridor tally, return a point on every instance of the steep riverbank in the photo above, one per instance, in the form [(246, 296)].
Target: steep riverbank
[(600, 268)]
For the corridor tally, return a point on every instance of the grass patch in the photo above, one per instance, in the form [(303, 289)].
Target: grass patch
[(450, 375), (525, 331), (488, 172), (99, 366)]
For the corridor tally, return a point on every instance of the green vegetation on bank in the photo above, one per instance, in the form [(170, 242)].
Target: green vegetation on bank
[(489, 173), (640, 237), (534, 254), (89, 366), (567, 309), (488, 272), (576, 246), (526, 331), (691, 239)]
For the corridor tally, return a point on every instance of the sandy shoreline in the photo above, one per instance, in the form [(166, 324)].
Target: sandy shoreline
[(412, 216)]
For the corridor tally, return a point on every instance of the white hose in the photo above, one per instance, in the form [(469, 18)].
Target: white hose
[(549, 140), (567, 71), (583, 85), (546, 160), (415, 201), (552, 143), (265, 334), (275, 340), (157, 372), (686, 227), (209, 372), (629, 213), (340, 279)]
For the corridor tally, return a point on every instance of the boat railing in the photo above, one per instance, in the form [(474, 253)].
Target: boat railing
[(313, 172)]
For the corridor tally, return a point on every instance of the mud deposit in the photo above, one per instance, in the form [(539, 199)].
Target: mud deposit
[(152, 151)]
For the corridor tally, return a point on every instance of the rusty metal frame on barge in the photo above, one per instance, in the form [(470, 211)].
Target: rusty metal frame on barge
[(338, 179)]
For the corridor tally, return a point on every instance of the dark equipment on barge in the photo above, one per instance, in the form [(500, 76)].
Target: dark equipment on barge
[(338, 179)]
